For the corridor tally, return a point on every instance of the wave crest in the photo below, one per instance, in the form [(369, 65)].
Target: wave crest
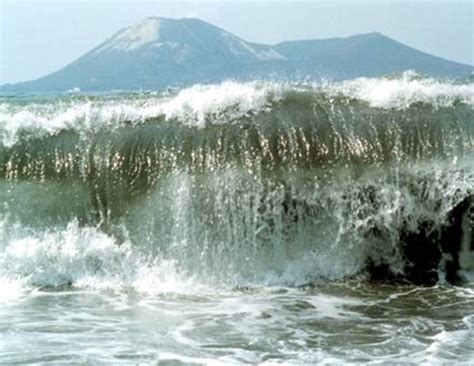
[(200, 105)]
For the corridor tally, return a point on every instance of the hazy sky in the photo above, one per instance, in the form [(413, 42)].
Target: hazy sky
[(39, 37)]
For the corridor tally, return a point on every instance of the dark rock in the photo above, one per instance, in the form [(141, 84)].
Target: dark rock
[(422, 254), (425, 251), (451, 240)]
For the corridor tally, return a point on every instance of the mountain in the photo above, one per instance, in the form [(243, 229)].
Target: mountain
[(160, 52)]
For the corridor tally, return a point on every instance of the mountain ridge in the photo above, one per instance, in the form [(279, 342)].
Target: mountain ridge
[(161, 52)]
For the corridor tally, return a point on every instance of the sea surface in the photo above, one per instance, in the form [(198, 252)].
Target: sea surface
[(233, 223)]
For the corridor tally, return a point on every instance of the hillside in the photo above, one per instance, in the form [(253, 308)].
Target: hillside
[(160, 52)]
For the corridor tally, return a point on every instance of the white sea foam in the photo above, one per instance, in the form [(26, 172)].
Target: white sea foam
[(233, 100), (405, 90), (84, 258), (451, 344), (221, 103), (193, 106), (87, 258)]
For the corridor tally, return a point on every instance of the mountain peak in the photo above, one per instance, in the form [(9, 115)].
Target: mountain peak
[(179, 36), (158, 52), (152, 30), (131, 38)]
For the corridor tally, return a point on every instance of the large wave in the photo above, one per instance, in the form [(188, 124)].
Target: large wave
[(238, 182)]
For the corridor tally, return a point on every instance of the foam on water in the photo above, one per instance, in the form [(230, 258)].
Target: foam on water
[(151, 312), (229, 100), (86, 258), (405, 90), (450, 344), (221, 103), (82, 258), (192, 106)]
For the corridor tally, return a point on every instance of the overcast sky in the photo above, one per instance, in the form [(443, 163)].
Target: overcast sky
[(39, 37)]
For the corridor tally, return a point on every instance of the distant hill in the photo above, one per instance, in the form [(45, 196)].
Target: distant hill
[(160, 52)]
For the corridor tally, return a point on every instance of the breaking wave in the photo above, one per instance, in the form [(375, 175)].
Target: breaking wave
[(232, 183)]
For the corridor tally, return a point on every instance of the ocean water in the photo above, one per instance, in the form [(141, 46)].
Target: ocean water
[(234, 223)]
